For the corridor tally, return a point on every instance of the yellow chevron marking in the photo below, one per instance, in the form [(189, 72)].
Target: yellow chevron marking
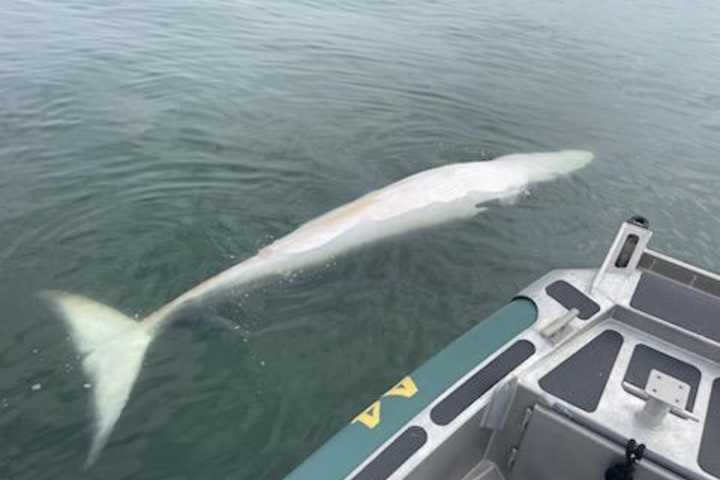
[(405, 388), (370, 417)]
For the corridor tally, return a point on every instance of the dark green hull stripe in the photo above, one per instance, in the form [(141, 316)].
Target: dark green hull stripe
[(356, 442)]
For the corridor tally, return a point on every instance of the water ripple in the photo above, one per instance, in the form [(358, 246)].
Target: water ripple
[(147, 145)]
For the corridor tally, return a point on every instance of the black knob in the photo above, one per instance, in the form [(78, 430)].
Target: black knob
[(639, 221)]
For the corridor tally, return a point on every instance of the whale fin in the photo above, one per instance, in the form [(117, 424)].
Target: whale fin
[(112, 346)]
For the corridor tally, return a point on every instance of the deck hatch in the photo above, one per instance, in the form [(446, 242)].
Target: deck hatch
[(476, 386), (581, 379), (708, 458), (570, 297), (645, 358), (397, 453), (684, 306)]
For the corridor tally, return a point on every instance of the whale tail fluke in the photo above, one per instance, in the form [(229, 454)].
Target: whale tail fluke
[(112, 347)]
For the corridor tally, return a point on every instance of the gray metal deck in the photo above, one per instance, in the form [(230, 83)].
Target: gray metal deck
[(568, 408)]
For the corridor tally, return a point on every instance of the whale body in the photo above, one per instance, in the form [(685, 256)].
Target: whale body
[(113, 345)]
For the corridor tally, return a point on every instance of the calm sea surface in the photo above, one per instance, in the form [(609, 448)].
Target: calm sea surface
[(145, 145)]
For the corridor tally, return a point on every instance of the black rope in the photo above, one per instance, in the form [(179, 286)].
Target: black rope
[(626, 471)]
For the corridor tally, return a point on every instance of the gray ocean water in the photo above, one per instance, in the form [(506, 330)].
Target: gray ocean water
[(147, 145)]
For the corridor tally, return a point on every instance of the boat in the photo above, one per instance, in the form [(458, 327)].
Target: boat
[(603, 373)]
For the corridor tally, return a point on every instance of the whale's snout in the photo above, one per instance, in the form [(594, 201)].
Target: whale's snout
[(540, 167), (571, 160)]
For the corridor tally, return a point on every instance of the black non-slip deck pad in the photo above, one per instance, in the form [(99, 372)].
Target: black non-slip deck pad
[(580, 380), (686, 307), (709, 458), (570, 297), (681, 274), (645, 359), (476, 386), (392, 458)]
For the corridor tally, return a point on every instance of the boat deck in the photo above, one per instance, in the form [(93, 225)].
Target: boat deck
[(574, 408), (569, 409), (582, 362)]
